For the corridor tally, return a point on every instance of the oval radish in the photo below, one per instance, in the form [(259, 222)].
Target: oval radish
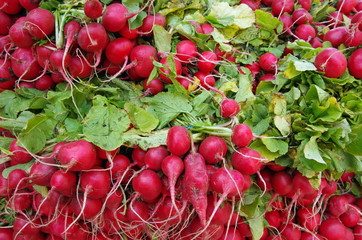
[(331, 62)]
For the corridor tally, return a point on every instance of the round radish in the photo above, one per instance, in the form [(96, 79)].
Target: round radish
[(93, 9), (40, 23), (64, 182), (229, 108), (331, 62), (143, 56), (213, 149), (29, 4), (44, 83), (6, 233), (354, 63), (10, 6), (93, 37), (207, 61), (346, 6), (114, 17), (268, 62), (95, 183), (305, 32), (148, 185), (118, 50), (273, 218), (335, 36), (88, 208), (206, 79), (242, 135), (282, 6), (282, 183), (301, 16), (246, 160), (332, 229), (19, 154), (337, 205), (166, 70), (149, 21), (186, 51), (154, 157), (6, 23), (155, 86), (24, 64), (178, 140)]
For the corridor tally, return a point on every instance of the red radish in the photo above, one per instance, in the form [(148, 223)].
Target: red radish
[(128, 33), (95, 183), (137, 211), (43, 53), (335, 36), (310, 236), (330, 188), (196, 184), (305, 32), (354, 64), (247, 182), (222, 215), (267, 77), (178, 140), (20, 200), (20, 36), (206, 79), (138, 156), (332, 229), (227, 182), (350, 218), (308, 219), (77, 156), (40, 23), (229, 108), (24, 64), (149, 21), (86, 208), (167, 211), (357, 231), (212, 232), (244, 228), (118, 50), (93, 9), (268, 62), (350, 198), (346, 6), (166, 70), (198, 28), (6, 233), (356, 21), (273, 218), (264, 180), (353, 38), (207, 28), (93, 37), (26, 85), (337, 205), (231, 234), (114, 200), (302, 184), (306, 4), (143, 55), (115, 17), (302, 16), (78, 67), (120, 168), (60, 60), (213, 149), (289, 232), (148, 185), (207, 61), (10, 7), (316, 43), (172, 167), (254, 68), (154, 157), (44, 83), (155, 86), (20, 155), (253, 4), (43, 206), (64, 182), (287, 23), (8, 80), (186, 51), (242, 135), (17, 179), (29, 4), (331, 62), (335, 18), (283, 6), (246, 160), (282, 183)]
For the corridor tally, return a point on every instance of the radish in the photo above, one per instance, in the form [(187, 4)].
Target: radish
[(24, 64), (78, 67), (77, 156), (148, 185), (186, 51), (231, 234), (44, 83), (17, 179), (253, 4), (354, 66), (346, 6), (229, 108), (335, 36), (64, 182), (178, 140), (212, 232), (305, 32), (154, 157), (207, 28), (30, 4), (306, 4), (6, 233), (138, 156), (267, 77), (120, 168), (206, 79), (20, 200), (289, 232), (149, 21), (137, 211), (114, 200), (264, 180), (335, 18), (353, 38), (242, 135), (213, 149), (118, 50), (222, 215), (155, 86), (282, 6), (331, 62), (332, 229), (310, 236), (93, 9), (350, 218), (86, 208), (268, 62), (10, 7), (172, 167), (246, 160), (166, 70), (207, 61), (244, 228), (6, 23), (302, 16), (308, 219), (22, 225), (337, 205), (273, 218), (282, 183), (96, 183), (40, 23), (196, 184), (20, 155), (143, 55)]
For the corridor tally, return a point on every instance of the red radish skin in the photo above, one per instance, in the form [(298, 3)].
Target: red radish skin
[(306, 4), (231, 234), (196, 184), (213, 149), (17, 179), (22, 225), (40, 23), (268, 62), (114, 17), (149, 21), (137, 212), (283, 6), (20, 155), (331, 62), (290, 232), (20, 36), (282, 183), (308, 219), (305, 32), (64, 182), (332, 229), (29, 4), (335, 36), (154, 157), (229, 108), (337, 205), (206, 79), (44, 83), (120, 168), (24, 64), (354, 63), (95, 183), (253, 4), (118, 50), (222, 215), (138, 156), (346, 6), (242, 135), (186, 51), (129, 33), (244, 228), (93, 9), (143, 55), (10, 7), (155, 86), (178, 140), (353, 38), (93, 37), (86, 208), (166, 70), (301, 16), (6, 233), (246, 160), (207, 28), (148, 185), (77, 156), (273, 218), (264, 180), (78, 67), (350, 218)]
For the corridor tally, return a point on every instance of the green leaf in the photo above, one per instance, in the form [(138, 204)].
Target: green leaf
[(266, 20), (283, 124), (145, 141), (6, 96), (162, 39), (256, 225), (140, 118), (316, 93), (41, 189), (311, 151), (250, 209), (24, 166), (356, 141), (279, 105), (259, 146), (104, 124), (275, 145), (167, 106), (5, 143), (329, 111), (106, 1), (244, 85), (37, 131)]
